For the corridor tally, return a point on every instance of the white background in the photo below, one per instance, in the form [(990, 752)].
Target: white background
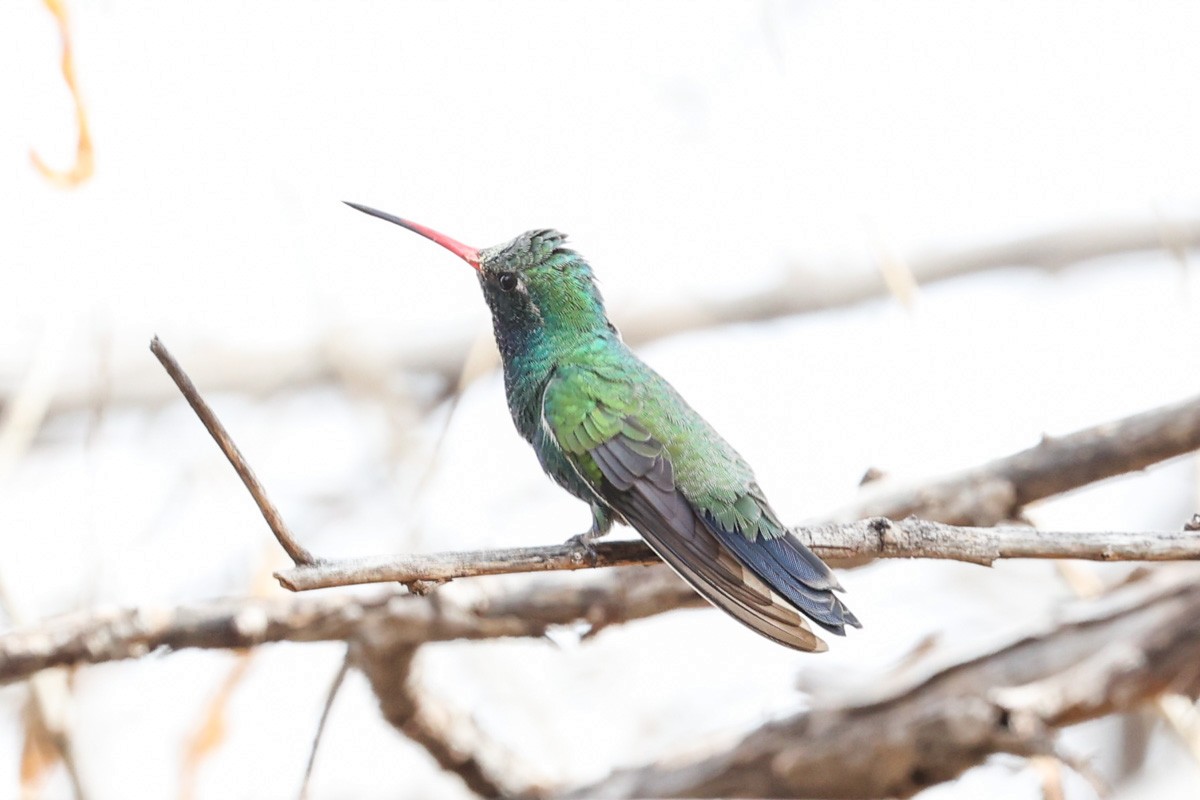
[(692, 150)]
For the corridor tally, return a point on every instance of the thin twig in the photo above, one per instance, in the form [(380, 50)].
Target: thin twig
[(836, 542), (297, 552), (332, 694), (389, 675)]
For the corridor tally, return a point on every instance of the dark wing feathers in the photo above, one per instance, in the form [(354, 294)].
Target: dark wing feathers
[(670, 525), (765, 582), (628, 460), (735, 574), (614, 469)]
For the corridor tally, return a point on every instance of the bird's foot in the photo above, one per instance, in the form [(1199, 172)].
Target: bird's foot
[(601, 523), (584, 541)]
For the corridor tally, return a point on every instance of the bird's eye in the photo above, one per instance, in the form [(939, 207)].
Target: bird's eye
[(507, 281)]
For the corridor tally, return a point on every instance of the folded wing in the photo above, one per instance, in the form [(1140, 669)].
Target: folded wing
[(763, 582)]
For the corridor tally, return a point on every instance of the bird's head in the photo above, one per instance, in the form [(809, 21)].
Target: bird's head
[(532, 284)]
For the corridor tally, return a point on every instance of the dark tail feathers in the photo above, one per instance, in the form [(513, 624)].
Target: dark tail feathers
[(794, 572)]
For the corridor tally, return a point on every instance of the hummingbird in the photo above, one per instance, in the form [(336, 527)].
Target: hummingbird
[(611, 431)]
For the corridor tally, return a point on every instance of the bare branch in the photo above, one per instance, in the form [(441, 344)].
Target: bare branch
[(1113, 654), (385, 650), (49, 720), (998, 490), (983, 495), (385, 660), (408, 620), (837, 542), (442, 567), (334, 687), (298, 553), (806, 289), (100, 636), (388, 664)]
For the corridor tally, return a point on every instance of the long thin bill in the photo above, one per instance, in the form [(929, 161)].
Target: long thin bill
[(467, 254)]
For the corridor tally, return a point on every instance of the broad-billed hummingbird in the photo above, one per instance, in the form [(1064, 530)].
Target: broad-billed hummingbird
[(609, 430)]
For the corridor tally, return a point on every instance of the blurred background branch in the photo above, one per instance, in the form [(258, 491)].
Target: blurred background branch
[(1112, 654), (48, 736), (386, 633), (394, 617), (798, 290)]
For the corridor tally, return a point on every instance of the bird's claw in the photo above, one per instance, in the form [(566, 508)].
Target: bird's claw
[(584, 541), (601, 523)]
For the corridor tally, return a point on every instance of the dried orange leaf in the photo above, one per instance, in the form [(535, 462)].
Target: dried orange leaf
[(211, 732), (39, 754), (84, 164)]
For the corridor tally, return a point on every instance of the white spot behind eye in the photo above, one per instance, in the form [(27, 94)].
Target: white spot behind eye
[(532, 304)]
